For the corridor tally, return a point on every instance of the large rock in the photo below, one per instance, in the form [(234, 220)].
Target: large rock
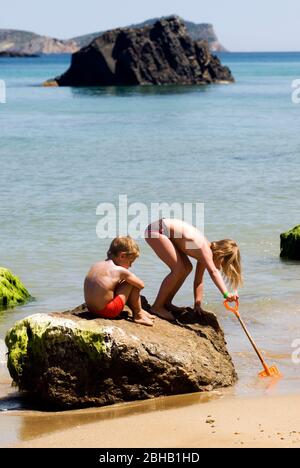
[(12, 291), (160, 54), (69, 360), (290, 244)]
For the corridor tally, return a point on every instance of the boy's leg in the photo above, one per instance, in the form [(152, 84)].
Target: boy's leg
[(139, 314), (167, 252), (131, 296)]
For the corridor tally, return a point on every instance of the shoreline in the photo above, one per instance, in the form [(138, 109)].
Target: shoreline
[(190, 421)]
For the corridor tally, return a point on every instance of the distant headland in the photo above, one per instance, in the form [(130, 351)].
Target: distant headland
[(28, 43), (17, 54)]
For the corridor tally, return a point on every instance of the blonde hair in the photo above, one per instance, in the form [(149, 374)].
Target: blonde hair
[(227, 252), (124, 245)]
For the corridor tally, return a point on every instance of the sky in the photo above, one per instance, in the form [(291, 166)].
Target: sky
[(241, 25)]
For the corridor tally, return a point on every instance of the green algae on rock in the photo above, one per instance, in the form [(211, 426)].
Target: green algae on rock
[(29, 343), (290, 244), (12, 291), (72, 360)]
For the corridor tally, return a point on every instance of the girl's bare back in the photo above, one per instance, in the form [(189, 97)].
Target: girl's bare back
[(186, 237)]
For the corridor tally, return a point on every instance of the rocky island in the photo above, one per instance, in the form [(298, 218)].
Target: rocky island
[(161, 54), (72, 360)]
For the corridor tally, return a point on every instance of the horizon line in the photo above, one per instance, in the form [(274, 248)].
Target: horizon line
[(73, 37)]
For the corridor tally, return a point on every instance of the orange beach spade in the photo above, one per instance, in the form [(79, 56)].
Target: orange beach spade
[(268, 371)]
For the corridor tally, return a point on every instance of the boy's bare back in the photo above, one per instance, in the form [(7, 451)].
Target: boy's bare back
[(109, 285), (100, 284)]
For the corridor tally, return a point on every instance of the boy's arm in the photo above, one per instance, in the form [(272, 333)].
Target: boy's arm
[(132, 279), (198, 284)]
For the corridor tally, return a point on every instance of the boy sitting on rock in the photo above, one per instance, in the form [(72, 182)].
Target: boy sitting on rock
[(110, 285)]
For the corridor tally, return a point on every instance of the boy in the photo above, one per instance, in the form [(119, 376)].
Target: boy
[(110, 285)]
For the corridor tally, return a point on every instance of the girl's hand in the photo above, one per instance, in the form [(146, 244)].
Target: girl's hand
[(233, 297), (198, 309)]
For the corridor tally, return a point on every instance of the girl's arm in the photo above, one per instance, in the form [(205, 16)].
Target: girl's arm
[(198, 284), (208, 262)]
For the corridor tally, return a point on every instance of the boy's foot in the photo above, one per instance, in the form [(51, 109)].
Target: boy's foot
[(176, 310), (143, 318), (163, 313)]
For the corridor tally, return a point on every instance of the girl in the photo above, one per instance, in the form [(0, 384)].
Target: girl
[(174, 241)]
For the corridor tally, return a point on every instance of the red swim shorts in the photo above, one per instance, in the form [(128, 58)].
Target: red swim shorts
[(113, 309)]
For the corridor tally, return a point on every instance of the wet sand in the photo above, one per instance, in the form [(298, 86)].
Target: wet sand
[(189, 422)]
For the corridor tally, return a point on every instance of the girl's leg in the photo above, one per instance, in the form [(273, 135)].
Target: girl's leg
[(186, 270), (131, 296), (167, 252)]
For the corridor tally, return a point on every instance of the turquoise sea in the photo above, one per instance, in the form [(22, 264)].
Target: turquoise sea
[(233, 147)]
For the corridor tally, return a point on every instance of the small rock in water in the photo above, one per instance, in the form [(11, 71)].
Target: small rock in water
[(290, 244), (12, 291)]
